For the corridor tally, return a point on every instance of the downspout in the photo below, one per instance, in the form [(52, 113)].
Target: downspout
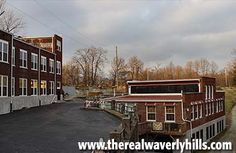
[(39, 77), (189, 121), (55, 69), (12, 39)]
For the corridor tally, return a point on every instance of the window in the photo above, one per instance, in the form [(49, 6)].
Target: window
[(34, 87), (51, 65), (51, 87), (23, 87), (212, 92), (212, 108), (3, 51), (201, 134), (209, 108), (192, 113), (200, 111), (151, 113), (196, 111), (170, 114), (43, 64), (58, 45), (13, 86), (3, 86), (34, 61), (23, 58), (206, 109), (13, 56), (206, 92), (209, 92), (58, 67), (43, 87), (58, 85), (207, 133)]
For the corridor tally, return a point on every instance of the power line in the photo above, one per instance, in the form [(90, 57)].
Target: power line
[(66, 24), (45, 25)]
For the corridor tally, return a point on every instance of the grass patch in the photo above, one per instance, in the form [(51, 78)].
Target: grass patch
[(230, 98)]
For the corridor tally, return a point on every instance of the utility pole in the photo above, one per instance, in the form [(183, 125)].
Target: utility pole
[(116, 66)]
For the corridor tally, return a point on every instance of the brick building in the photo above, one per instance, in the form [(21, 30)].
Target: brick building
[(30, 71), (170, 109)]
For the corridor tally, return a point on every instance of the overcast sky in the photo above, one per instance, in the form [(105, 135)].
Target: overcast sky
[(157, 31)]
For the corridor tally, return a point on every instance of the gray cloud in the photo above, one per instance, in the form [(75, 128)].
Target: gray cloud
[(156, 31)]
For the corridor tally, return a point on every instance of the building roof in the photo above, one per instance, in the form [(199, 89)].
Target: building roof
[(146, 98)]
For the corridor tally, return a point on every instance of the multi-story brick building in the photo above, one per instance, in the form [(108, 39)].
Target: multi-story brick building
[(30, 71), (170, 109)]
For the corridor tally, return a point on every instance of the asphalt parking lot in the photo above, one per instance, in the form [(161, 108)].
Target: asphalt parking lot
[(54, 128)]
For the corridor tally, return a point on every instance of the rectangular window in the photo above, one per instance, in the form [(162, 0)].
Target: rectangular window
[(51, 65), (13, 86), (206, 92), (43, 87), (206, 109), (212, 92), (58, 45), (23, 58), (212, 108), (201, 134), (207, 133), (34, 87), (51, 87), (170, 114), (34, 61), (43, 64), (196, 111), (209, 108), (58, 85), (3, 51), (200, 111), (3, 86), (58, 67), (151, 113), (23, 86), (192, 112), (13, 56)]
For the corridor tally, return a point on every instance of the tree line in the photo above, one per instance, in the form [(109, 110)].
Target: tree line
[(87, 69)]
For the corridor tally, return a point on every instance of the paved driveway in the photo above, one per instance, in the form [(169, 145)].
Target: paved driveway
[(54, 128)]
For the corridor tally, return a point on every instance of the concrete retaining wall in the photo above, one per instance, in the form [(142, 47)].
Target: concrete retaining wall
[(20, 102), (5, 105)]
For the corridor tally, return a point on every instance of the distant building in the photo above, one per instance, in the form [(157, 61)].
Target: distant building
[(167, 109), (30, 71)]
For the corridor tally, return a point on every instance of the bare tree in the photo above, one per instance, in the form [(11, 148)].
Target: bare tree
[(71, 74), (9, 21), (135, 66), (118, 69), (91, 61)]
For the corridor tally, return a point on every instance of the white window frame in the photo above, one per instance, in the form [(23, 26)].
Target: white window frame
[(13, 86), (59, 48), (43, 64), (206, 109), (169, 121), (200, 111), (2, 86), (192, 112), (51, 66), (35, 90), (58, 67), (44, 90), (212, 92), (13, 56), (196, 110), (22, 91), (51, 89), (24, 52), (34, 60), (148, 120), (206, 91), (3, 42)]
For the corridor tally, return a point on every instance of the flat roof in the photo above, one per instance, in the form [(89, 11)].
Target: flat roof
[(161, 81)]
